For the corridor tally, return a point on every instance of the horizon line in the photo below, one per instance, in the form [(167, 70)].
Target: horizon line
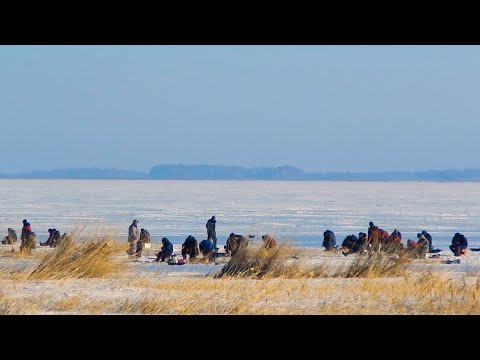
[(146, 172)]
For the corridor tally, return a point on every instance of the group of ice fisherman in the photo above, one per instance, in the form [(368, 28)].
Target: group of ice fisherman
[(191, 248), (378, 239), (28, 238)]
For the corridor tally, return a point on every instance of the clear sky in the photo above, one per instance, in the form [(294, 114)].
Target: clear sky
[(320, 108)]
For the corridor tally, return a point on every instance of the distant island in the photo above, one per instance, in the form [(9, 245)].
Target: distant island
[(221, 172)]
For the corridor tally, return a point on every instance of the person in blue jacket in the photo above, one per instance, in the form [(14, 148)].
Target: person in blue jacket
[(166, 250), (206, 247)]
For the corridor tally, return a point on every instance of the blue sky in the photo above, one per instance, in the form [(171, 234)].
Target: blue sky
[(320, 108)]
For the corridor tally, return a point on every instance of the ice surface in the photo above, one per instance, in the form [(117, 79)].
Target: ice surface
[(299, 211)]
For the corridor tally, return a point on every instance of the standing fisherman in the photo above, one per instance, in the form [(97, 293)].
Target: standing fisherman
[(133, 237), (211, 233)]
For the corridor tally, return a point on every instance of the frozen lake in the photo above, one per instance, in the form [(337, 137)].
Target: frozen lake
[(299, 211)]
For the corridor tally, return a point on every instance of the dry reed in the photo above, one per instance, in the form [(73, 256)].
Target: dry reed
[(73, 258)]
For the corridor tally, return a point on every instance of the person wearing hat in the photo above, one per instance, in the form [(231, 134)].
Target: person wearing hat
[(372, 230), (348, 244), (329, 240), (459, 244), (30, 240), (166, 251), (429, 238), (133, 237), (206, 247), (49, 240), (422, 246), (235, 243), (362, 243), (25, 231), (268, 241)]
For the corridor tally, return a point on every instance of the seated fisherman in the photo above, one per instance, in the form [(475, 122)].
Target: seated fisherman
[(268, 242), (166, 251), (190, 248), (235, 243), (206, 247), (11, 237), (329, 240), (459, 244)]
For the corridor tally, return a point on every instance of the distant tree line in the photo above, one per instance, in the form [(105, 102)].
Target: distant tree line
[(220, 172)]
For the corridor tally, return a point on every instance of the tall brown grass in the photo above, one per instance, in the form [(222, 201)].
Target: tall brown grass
[(119, 247), (260, 263), (6, 304), (148, 305), (417, 293), (253, 282), (13, 305), (14, 252), (278, 263), (79, 258), (377, 264)]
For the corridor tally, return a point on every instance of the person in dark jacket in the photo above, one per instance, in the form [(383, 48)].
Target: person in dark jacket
[(166, 250), (190, 248), (349, 242), (25, 229), (377, 238), (429, 238), (30, 241), (235, 243), (396, 236), (206, 247), (329, 240), (11, 237), (362, 243), (49, 240), (211, 233), (394, 242), (371, 229), (422, 246), (53, 238), (384, 236), (374, 236), (459, 244), (56, 238)]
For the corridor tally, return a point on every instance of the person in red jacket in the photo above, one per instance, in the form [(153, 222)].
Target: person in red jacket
[(29, 241), (26, 230), (268, 242)]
